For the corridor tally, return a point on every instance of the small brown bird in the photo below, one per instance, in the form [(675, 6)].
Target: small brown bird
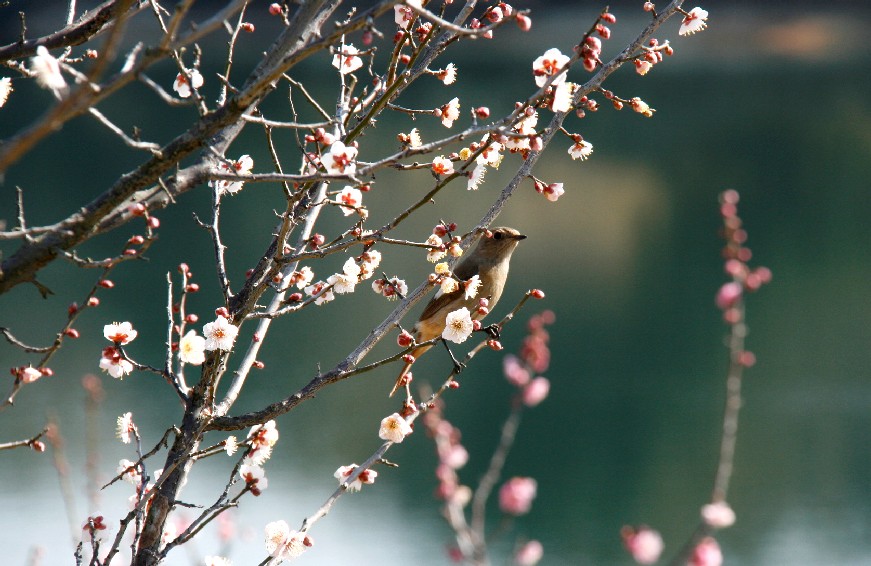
[(489, 261)]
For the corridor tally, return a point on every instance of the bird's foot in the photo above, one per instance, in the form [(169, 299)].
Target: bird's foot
[(493, 331)]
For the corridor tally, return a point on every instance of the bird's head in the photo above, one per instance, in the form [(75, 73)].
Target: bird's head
[(500, 244)]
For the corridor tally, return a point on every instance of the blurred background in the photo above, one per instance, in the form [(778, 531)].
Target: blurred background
[(772, 100)]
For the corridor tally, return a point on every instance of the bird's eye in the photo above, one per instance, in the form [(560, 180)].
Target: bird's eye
[(497, 235)]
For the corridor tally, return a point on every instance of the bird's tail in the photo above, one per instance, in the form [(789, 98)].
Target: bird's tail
[(417, 352)]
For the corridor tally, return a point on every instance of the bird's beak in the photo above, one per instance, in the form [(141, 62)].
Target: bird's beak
[(520, 237)]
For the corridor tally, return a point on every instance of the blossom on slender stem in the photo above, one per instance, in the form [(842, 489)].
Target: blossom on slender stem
[(191, 349), (695, 20), (458, 326), (254, 477), (317, 290), (442, 166), (349, 200), (220, 334), (581, 150), (182, 85), (449, 112), (403, 15), (28, 374), (394, 428), (129, 472), (120, 333), (549, 64), (124, 426), (475, 177), (302, 277), (366, 476), (437, 250), (448, 75), (47, 70), (283, 543), (340, 159), (347, 60), (562, 97), (114, 364), (241, 166)]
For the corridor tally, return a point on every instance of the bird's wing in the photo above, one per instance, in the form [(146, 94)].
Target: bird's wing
[(439, 302)]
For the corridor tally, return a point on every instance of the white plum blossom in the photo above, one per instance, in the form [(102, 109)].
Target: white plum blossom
[(182, 85), (120, 333), (448, 75), (220, 334), (475, 177), (317, 289), (191, 349), (394, 428), (366, 476), (449, 112), (5, 90), (442, 165), (472, 285), (340, 159), (349, 200), (554, 191), (346, 281), (458, 326), (254, 476), (129, 472), (124, 426), (114, 364), (581, 150), (283, 543), (562, 97), (448, 286), (695, 20), (435, 253), (302, 277), (28, 374), (492, 154), (47, 70), (231, 445), (548, 65), (403, 15), (414, 138), (347, 60), (370, 260), (390, 288), (241, 166), (342, 283)]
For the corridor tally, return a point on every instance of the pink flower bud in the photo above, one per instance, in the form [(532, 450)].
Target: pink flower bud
[(728, 295), (706, 553), (536, 391), (516, 495), (644, 544), (514, 372), (153, 222), (529, 554), (275, 9), (523, 22)]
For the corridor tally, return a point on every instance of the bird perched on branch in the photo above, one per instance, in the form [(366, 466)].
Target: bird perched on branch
[(489, 261)]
